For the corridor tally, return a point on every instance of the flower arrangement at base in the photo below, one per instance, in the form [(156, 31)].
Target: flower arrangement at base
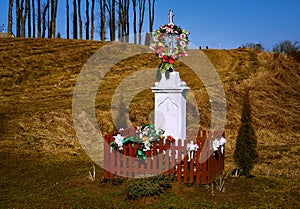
[(162, 44), (145, 136)]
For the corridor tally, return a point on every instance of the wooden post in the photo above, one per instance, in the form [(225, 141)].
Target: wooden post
[(179, 160), (173, 160), (130, 161), (167, 157), (106, 156), (160, 156), (155, 158), (197, 158)]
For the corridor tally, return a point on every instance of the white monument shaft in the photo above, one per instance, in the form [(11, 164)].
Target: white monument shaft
[(170, 99), (170, 105)]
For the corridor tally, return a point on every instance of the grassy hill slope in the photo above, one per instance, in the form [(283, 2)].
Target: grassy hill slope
[(37, 78)]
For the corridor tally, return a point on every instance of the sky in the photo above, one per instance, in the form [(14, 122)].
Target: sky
[(222, 24)]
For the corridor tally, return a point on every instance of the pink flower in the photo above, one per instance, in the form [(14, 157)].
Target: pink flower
[(155, 39), (160, 55), (182, 43), (182, 36), (159, 49)]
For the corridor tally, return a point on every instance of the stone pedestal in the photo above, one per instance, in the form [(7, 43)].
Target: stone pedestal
[(170, 105)]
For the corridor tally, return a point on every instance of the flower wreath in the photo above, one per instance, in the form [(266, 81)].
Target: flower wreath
[(159, 45), (145, 136)]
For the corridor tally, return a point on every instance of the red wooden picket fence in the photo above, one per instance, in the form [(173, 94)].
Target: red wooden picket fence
[(169, 158)]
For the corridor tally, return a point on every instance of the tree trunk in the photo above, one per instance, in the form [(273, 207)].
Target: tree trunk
[(111, 8), (141, 18), (151, 14), (53, 17), (151, 7), (45, 9), (75, 31), (33, 19), (120, 19), (18, 14), (28, 18), (123, 25), (48, 19), (87, 23), (23, 17), (39, 19), (103, 19), (79, 19), (9, 25), (134, 21), (68, 20), (113, 20), (92, 20), (127, 20)]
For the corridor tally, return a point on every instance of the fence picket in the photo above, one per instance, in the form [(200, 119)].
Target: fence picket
[(168, 158)]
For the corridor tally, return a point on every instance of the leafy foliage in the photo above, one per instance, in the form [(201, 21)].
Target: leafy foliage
[(147, 187), (245, 155)]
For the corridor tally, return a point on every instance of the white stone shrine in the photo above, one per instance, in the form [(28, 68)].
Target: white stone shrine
[(170, 100), (170, 105)]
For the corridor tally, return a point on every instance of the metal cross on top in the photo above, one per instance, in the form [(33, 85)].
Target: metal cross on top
[(171, 15), (170, 36)]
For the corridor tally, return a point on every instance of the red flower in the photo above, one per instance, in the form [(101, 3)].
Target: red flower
[(168, 59)]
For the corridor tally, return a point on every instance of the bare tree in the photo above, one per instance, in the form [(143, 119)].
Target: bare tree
[(39, 19), (75, 32), (123, 19), (24, 12), (113, 20), (111, 9), (54, 4), (44, 23), (28, 18), (134, 4), (151, 4), (290, 48), (141, 17), (68, 19), (48, 19), (102, 4), (79, 19), (151, 10), (10, 20), (120, 19), (87, 23), (19, 15), (33, 18), (92, 20)]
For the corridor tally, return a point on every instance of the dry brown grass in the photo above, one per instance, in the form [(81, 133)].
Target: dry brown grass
[(38, 77)]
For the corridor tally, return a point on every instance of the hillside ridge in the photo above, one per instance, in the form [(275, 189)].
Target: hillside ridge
[(38, 77)]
